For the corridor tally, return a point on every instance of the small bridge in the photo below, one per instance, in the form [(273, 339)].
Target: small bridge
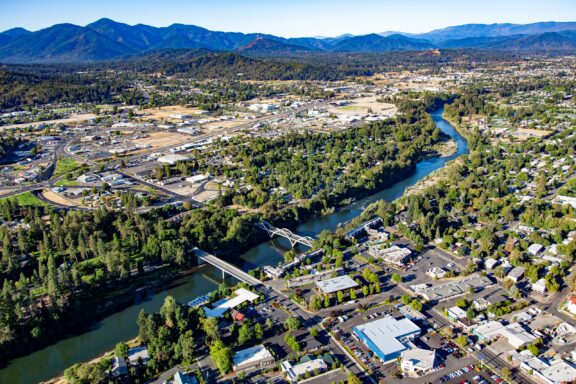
[(286, 233), (226, 267)]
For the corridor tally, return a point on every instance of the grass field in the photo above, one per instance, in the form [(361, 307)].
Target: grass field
[(26, 199), (65, 166), (66, 183)]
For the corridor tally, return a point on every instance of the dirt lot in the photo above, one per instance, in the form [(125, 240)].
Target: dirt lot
[(57, 198), (363, 106), (164, 113), (163, 139)]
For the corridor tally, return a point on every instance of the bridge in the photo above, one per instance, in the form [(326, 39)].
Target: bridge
[(286, 233), (226, 267)]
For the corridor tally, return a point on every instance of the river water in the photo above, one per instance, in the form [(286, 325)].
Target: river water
[(52, 360)]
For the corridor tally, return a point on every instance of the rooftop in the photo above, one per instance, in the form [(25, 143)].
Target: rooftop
[(250, 355), (385, 333), (220, 307), (336, 284)]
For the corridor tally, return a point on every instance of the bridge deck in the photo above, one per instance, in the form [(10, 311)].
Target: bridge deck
[(226, 267)]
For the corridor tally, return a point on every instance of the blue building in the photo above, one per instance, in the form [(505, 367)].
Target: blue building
[(387, 337)]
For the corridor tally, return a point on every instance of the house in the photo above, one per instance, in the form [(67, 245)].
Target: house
[(252, 358), (184, 378), (539, 286), (418, 362), (491, 263), (516, 274), (535, 249), (480, 304), (119, 367), (138, 355), (571, 305), (456, 313), (237, 316)]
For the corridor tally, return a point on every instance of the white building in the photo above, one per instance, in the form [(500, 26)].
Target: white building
[(252, 358), (172, 159), (298, 371), (242, 295), (539, 286), (436, 273), (535, 249), (336, 284), (418, 362)]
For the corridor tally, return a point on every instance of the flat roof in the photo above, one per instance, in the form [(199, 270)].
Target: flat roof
[(220, 307), (385, 333), (420, 358), (336, 284), (448, 290), (249, 355)]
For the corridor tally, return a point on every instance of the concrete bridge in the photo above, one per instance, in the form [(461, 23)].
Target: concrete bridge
[(225, 267), (286, 233)]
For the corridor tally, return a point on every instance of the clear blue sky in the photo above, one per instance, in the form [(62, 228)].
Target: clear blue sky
[(287, 18)]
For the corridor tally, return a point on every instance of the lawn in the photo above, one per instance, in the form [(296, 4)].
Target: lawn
[(26, 199), (64, 166), (66, 183)]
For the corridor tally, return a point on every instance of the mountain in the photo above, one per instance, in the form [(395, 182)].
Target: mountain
[(549, 41), (62, 43), (377, 43), (266, 45), (492, 30), (135, 37), (107, 39)]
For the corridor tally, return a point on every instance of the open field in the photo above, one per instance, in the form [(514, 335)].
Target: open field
[(63, 166), (364, 106), (57, 198), (26, 199), (163, 139), (164, 113)]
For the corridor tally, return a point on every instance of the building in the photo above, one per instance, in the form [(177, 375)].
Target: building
[(480, 304), (516, 274), (539, 286), (450, 290), (418, 362), (571, 305), (411, 313), (393, 255), (436, 273), (336, 284), (490, 263), (535, 249), (252, 358), (184, 378), (172, 159), (387, 337), (456, 313), (119, 367), (242, 295), (294, 373), (554, 372), (514, 333), (138, 355)]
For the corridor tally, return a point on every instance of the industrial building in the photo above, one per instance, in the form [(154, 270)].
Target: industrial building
[(252, 358), (336, 284), (418, 362), (387, 337)]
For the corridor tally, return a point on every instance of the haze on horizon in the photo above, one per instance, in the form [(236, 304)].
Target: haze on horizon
[(296, 18)]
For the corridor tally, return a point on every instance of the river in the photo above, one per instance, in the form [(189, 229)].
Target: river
[(52, 360)]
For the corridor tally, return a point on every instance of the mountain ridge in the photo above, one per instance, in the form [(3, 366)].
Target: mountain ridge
[(106, 39)]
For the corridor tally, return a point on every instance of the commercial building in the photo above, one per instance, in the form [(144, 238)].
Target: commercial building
[(448, 291), (514, 333), (242, 295), (298, 371), (172, 159), (418, 362), (516, 274), (336, 284), (456, 313), (252, 358), (393, 255), (550, 372), (387, 337)]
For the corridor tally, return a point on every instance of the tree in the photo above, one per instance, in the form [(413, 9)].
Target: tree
[(506, 373), (352, 379), (462, 341), (340, 296), (397, 278), (406, 299), (292, 323), (352, 294), (314, 332), (121, 350), (84, 374), (210, 327), (245, 334), (258, 331), (416, 304), (221, 356)]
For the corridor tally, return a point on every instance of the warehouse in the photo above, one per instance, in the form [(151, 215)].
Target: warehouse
[(387, 337), (336, 284), (252, 358)]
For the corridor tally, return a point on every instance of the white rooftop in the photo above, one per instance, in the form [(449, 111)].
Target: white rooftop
[(336, 284), (419, 358), (386, 332), (242, 295), (250, 355), (559, 372)]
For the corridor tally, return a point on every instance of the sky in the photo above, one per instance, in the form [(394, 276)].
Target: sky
[(287, 18)]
